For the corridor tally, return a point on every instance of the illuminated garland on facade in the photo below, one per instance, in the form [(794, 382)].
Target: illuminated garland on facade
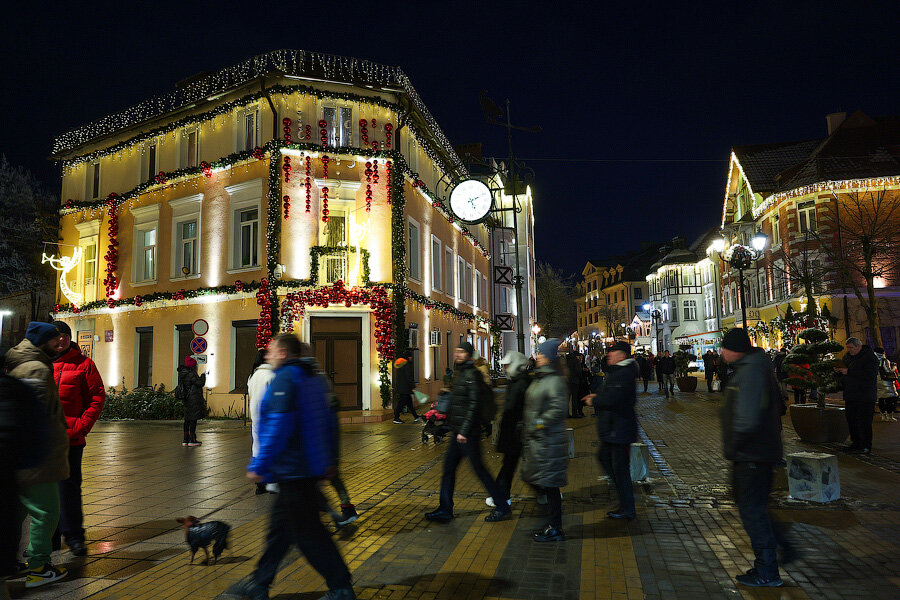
[(825, 186)]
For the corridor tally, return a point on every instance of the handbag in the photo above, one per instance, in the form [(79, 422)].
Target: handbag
[(443, 402), (717, 385)]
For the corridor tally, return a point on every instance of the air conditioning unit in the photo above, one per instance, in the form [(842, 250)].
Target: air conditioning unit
[(413, 338), (436, 337)]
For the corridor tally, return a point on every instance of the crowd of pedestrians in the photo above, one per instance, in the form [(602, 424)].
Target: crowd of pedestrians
[(51, 395)]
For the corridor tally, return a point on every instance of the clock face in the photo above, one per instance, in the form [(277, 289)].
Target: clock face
[(471, 200)]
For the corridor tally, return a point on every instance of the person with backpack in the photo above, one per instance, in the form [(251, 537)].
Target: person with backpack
[(405, 385), (887, 386), (509, 441), (31, 361), (546, 448), (471, 399), (82, 395), (190, 391), (296, 450)]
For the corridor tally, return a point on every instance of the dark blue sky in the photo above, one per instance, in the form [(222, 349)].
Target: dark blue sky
[(639, 106)]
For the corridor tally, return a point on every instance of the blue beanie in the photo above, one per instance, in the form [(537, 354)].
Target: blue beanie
[(40, 333), (550, 348)]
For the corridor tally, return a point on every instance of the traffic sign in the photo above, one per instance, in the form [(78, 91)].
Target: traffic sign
[(198, 345), (200, 328), (200, 358)]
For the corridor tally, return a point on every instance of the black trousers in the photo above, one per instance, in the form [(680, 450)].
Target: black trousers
[(859, 419), (646, 382), (554, 506), (405, 400), (616, 461), (190, 427), (71, 518), (887, 404), (295, 520), (709, 380), (507, 472), (577, 407), (752, 484), (453, 456)]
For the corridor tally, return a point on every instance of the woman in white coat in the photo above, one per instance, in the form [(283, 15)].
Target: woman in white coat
[(259, 381)]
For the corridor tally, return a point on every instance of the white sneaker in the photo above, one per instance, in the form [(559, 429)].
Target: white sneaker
[(489, 501)]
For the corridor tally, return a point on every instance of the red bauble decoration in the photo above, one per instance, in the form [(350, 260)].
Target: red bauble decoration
[(375, 171), (324, 204), (286, 200), (111, 282), (323, 132), (364, 132), (389, 184), (239, 285), (368, 172), (258, 153), (286, 167), (368, 198), (325, 161), (388, 134), (160, 177), (309, 132), (138, 300), (287, 130), (206, 168)]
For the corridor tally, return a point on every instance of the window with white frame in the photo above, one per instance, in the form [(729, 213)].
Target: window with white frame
[(776, 230), (190, 147), (735, 299), (448, 271), (470, 292), (761, 287), (92, 181), (726, 301), (86, 272), (806, 216), (247, 129), (188, 240), (245, 213), (780, 277), (690, 310), (186, 236), (461, 279), (436, 260), (478, 299), (149, 161), (339, 125), (414, 251), (505, 305), (146, 240), (687, 276), (484, 293)]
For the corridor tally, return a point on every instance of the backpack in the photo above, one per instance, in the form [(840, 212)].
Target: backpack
[(886, 369), (487, 403), (180, 392), (28, 423)]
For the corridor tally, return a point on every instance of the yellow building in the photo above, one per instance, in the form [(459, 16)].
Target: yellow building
[(294, 191)]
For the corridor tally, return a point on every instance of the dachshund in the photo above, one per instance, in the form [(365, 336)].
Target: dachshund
[(201, 535)]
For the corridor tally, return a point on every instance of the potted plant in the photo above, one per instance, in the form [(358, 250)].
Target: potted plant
[(685, 364), (810, 366)]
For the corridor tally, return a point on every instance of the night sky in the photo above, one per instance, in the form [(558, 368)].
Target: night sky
[(639, 107)]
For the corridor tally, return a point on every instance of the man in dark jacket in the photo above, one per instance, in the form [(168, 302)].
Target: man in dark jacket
[(296, 450), (751, 432), (860, 394), (709, 368), (667, 367), (509, 442), (645, 369), (405, 382), (82, 396), (464, 421), (617, 425), (575, 377)]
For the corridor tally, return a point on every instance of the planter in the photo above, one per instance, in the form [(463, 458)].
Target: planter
[(819, 426), (687, 384)]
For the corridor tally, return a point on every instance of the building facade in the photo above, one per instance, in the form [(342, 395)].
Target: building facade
[(798, 194), (294, 192)]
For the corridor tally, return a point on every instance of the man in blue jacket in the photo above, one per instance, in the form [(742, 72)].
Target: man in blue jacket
[(296, 449), (617, 425)]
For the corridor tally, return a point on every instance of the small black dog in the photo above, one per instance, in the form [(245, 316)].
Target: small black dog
[(201, 535)]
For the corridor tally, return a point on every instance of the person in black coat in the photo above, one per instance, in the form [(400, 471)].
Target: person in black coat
[(709, 368), (405, 384), (509, 442), (617, 425), (191, 394), (645, 368), (860, 393), (723, 372), (576, 384)]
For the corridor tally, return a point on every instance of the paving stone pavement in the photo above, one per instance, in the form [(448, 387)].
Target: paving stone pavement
[(687, 542)]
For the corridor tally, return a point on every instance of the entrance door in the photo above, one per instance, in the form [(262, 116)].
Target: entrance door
[(337, 342)]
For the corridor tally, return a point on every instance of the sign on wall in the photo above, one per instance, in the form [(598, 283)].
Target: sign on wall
[(108, 337), (86, 343)]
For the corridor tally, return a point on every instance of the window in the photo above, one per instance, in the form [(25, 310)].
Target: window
[(190, 148), (243, 352), (504, 300), (146, 254), (448, 271), (806, 215), (687, 277), (183, 336), (761, 287), (248, 129), (339, 123), (638, 293), (484, 292), (674, 313), (187, 247), (150, 162), (726, 301), (414, 251), (92, 183), (248, 237), (776, 230), (479, 299), (470, 296), (436, 278), (461, 278), (90, 264), (735, 298), (143, 357), (146, 233), (780, 290)]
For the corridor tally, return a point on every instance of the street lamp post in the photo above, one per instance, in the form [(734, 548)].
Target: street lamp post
[(656, 314), (739, 257), (3, 313)]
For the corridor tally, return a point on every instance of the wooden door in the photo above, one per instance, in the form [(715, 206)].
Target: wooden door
[(337, 342)]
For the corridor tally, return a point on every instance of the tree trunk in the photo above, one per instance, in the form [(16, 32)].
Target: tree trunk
[(872, 312), (811, 311)]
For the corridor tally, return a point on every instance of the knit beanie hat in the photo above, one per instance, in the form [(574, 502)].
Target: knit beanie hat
[(63, 327), (189, 361), (736, 340), (621, 346), (467, 347), (550, 348), (40, 333)]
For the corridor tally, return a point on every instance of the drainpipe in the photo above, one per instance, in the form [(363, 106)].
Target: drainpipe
[(262, 85)]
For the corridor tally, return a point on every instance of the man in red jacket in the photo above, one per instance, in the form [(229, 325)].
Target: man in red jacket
[(82, 396)]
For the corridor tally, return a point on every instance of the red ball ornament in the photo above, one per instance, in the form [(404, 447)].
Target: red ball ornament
[(138, 300)]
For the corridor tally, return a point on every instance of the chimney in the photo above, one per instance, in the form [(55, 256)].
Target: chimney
[(834, 121)]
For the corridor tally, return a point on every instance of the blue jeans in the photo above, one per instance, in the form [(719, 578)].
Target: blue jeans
[(454, 455)]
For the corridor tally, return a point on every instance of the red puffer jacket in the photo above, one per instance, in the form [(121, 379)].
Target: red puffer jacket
[(80, 392)]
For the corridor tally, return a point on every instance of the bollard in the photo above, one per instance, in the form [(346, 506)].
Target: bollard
[(640, 461), (570, 433), (813, 476)]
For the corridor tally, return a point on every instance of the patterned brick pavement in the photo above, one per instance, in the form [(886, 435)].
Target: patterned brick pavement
[(686, 543)]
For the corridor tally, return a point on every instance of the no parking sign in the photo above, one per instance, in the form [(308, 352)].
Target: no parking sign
[(198, 345)]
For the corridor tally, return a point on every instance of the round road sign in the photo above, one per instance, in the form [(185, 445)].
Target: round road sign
[(200, 328), (198, 345)]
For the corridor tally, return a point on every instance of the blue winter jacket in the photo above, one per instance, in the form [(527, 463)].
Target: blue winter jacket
[(297, 429)]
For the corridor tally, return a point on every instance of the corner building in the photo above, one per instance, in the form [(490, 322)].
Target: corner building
[(295, 191)]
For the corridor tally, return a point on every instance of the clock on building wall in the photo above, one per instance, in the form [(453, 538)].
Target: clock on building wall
[(471, 201)]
